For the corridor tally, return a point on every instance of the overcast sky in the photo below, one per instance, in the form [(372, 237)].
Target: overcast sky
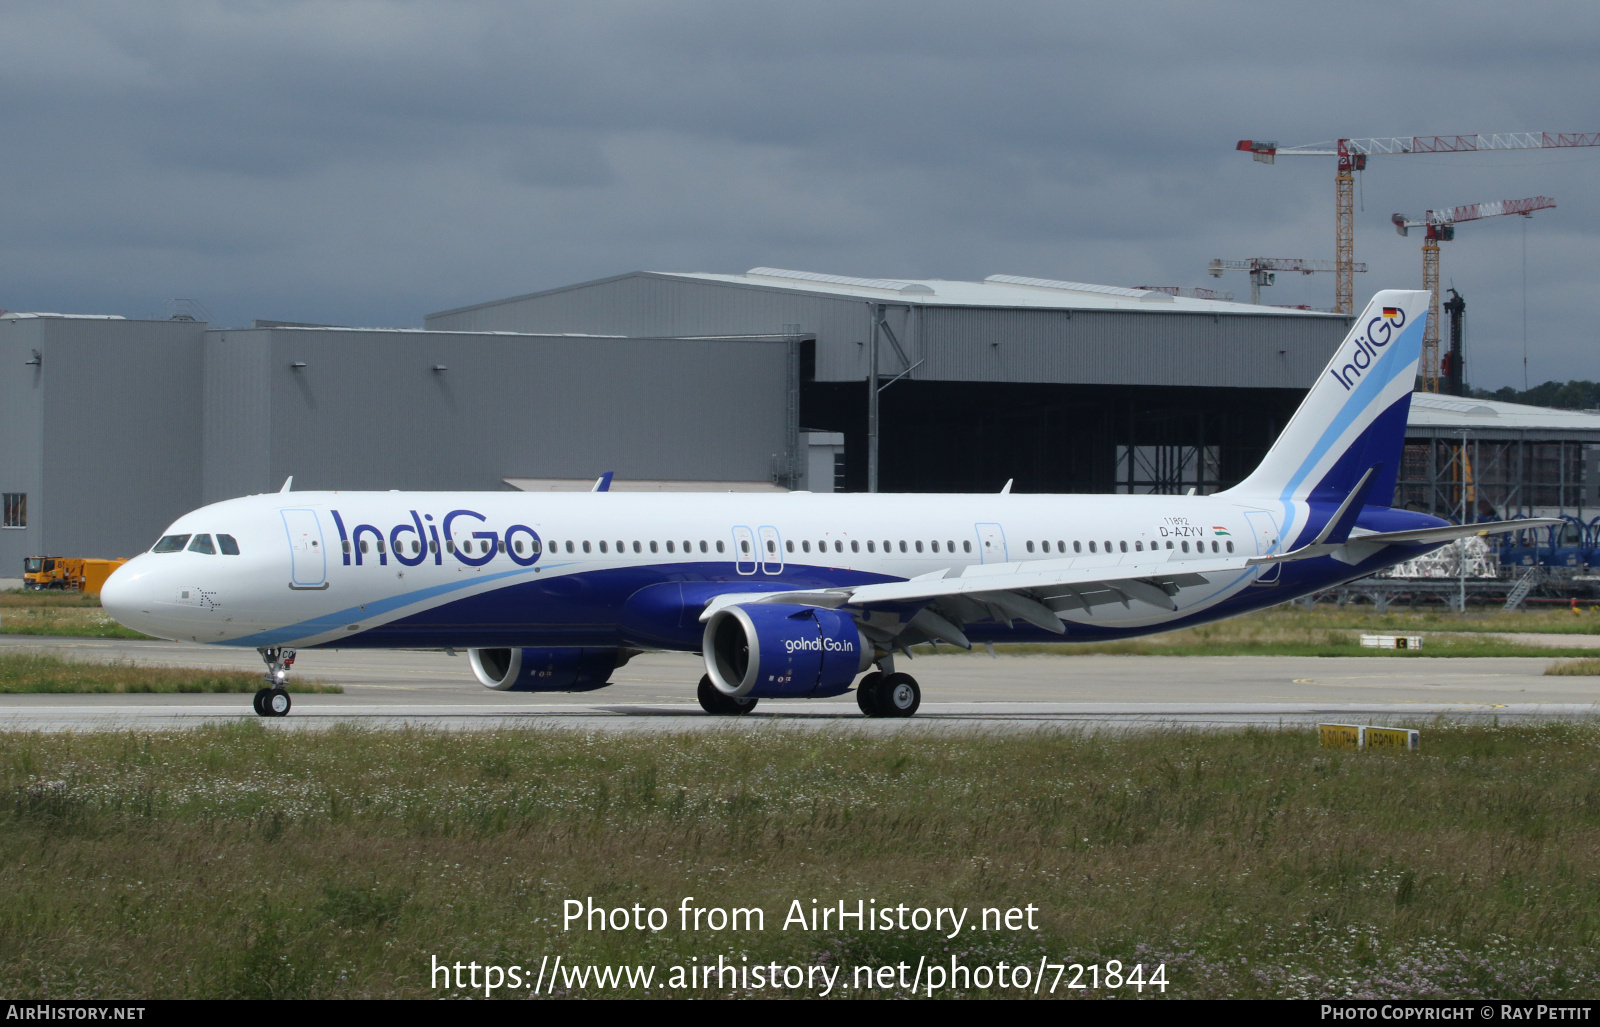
[(367, 163)]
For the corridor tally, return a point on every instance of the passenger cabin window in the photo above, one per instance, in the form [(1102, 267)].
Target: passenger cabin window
[(585, 545), (654, 549), (902, 545), (171, 544), (805, 546), (1091, 547), (744, 546), (703, 546), (1230, 547), (602, 545), (919, 546), (228, 545), (669, 546), (872, 547), (570, 546), (719, 545), (966, 547), (1030, 546), (855, 547), (1138, 546), (1123, 546), (1186, 546), (1077, 547), (202, 544)]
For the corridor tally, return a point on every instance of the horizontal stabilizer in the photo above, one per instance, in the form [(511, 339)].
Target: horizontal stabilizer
[(1372, 541)]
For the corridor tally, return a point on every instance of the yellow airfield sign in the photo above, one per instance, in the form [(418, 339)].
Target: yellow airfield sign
[(1361, 736)]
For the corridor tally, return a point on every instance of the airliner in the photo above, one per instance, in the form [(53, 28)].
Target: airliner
[(791, 595)]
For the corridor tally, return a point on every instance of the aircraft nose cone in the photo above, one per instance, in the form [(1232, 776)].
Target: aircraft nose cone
[(119, 596)]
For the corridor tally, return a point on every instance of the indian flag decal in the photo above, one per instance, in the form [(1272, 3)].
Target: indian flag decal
[(1218, 529)]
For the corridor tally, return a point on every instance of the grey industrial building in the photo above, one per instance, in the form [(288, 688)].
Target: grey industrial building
[(770, 378)]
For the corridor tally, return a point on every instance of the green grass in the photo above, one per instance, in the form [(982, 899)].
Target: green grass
[(58, 613), (252, 861), (1589, 665), (37, 672)]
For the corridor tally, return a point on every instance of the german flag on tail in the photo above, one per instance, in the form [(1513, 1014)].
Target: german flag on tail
[(1391, 311)]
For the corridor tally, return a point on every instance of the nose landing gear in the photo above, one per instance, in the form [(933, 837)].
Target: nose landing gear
[(274, 701)]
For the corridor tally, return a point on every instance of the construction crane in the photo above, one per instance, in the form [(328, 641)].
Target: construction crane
[(1440, 225), (1263, 270), (1353, 154)]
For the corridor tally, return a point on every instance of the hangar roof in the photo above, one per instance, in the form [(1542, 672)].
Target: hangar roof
[(1489, 416), (993, 291)]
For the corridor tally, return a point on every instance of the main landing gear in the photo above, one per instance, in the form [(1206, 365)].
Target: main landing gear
[(714, 701), (274, 701), (888, 695)]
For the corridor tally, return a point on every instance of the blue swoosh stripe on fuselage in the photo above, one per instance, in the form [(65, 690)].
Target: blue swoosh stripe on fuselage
[(377, 607), (530, 616)]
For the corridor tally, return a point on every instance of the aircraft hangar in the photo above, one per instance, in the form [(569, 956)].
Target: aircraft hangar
[(1059, 386), (766, 379)]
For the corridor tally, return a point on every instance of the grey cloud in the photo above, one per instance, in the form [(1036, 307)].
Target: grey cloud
[(364, 162)]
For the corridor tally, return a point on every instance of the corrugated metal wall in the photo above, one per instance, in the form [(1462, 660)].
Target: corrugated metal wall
[(1095, 347), (237, 443), (995, 344), (22, 398), (369, 412), (122, 431)]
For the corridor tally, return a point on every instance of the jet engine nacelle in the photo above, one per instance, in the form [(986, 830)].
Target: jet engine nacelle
[(767, 650), (545, 670)]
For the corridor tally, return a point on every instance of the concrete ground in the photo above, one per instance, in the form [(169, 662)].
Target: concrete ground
[(656, 692)]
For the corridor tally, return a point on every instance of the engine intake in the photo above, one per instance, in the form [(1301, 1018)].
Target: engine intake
[(546, 670), (766, 650)]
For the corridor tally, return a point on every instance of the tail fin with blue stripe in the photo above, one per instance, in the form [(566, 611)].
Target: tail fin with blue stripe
[(1354, 418)]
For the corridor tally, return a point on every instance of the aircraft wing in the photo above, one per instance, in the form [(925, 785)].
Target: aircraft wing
[(1035, 591)]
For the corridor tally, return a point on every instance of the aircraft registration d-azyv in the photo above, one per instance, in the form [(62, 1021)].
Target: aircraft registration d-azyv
[(797, 594)]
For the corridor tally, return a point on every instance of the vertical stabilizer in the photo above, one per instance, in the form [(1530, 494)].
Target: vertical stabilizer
[(1354, 418)]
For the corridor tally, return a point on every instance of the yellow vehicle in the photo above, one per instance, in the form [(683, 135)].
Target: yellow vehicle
[(95, 573), (41, 572), (68, 573)]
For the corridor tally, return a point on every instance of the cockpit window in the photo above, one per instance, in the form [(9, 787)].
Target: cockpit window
[(202, 544), (171, 544), (228, 546)]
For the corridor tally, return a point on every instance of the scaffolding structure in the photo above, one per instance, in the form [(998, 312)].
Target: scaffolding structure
[(1470, 460)]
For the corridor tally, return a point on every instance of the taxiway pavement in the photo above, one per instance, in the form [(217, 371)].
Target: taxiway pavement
[(655, 692)]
